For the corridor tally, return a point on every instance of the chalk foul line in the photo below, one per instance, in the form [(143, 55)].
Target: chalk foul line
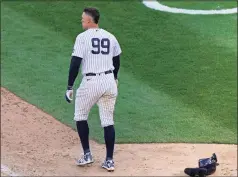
[(7, 171), (153, 4)]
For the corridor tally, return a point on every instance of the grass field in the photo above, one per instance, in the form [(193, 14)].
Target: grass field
[(178, 78)]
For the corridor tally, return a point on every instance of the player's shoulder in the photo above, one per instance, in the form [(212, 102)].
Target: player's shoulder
[(81, 35), (84, 35), (108, 33)]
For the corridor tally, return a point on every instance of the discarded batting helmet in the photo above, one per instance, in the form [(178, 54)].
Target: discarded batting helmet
[(206, 166)]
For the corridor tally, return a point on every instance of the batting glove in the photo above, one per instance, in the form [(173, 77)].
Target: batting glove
[(69, 94)]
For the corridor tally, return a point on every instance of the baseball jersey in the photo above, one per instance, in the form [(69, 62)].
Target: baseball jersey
[(96, 47)]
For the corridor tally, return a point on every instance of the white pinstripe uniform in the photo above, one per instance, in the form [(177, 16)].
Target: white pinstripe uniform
[(96, 47)]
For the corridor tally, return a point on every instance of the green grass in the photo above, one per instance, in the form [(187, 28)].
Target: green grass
[(201, 5), (177, 80)]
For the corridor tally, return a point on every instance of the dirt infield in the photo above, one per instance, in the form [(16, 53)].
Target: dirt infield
[(34, 143)]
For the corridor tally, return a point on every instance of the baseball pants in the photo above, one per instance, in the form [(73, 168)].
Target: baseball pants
[(101, 90)]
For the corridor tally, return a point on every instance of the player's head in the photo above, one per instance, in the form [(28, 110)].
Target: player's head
[(90, 17)]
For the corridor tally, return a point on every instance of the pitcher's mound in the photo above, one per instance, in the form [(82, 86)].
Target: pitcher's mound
[(34, 143)]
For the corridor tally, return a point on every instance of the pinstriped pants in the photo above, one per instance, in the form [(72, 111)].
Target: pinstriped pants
[(100, 90)]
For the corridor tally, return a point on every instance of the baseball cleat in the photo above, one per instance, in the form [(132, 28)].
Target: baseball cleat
[(85, 159), (108, 165)]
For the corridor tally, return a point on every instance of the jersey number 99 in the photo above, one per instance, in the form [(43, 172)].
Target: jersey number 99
[(101, 46)]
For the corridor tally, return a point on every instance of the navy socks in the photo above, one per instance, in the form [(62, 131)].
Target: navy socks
[(83, 132), (109, 136)]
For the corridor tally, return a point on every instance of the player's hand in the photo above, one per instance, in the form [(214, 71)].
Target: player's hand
[(69, 95)]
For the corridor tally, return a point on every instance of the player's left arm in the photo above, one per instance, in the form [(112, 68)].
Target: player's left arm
[(76, 60), (73, 73)]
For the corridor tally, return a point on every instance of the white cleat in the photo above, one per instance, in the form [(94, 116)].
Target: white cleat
[(108, 165), (85, 159)]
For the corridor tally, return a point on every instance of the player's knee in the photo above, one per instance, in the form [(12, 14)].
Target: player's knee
[(107, 123), (80, 117)]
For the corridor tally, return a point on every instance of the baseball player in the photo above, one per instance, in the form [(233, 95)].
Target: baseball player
[(98, 53)]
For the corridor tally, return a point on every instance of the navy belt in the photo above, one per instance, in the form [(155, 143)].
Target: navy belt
[(94, 74)]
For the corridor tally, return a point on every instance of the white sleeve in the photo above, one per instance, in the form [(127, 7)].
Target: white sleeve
[(78, 49), (116, 48)]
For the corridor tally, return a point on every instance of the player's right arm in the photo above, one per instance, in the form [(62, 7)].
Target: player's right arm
[(116, 58), (116, 64)]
